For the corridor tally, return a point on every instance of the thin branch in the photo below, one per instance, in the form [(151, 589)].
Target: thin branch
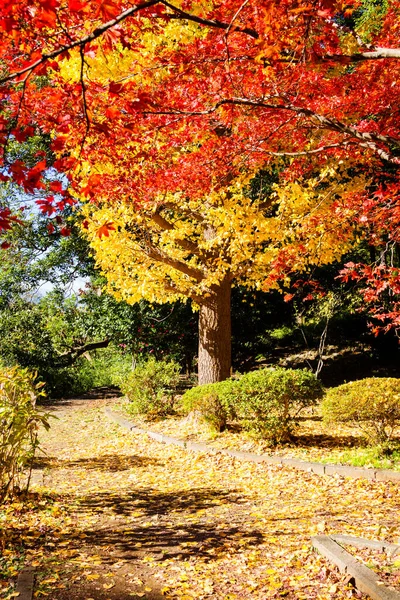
[(209, 22), (84, 102), (314, 151), (163, 319), (235, 16)]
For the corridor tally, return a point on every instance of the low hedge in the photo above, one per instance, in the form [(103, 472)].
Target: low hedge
[(214, 401), (372, 405), (266, 402), (269, 400)]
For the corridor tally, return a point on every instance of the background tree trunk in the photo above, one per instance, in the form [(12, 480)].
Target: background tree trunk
[(215, 335)]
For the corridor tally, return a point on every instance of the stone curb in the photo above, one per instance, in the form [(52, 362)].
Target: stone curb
[(311, 467), (365, 579), (380, 545), (25, 584)]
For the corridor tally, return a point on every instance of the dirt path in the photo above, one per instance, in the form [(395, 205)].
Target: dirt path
[(125, 517)]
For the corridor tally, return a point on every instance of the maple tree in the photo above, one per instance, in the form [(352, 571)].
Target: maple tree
[(156, 99)]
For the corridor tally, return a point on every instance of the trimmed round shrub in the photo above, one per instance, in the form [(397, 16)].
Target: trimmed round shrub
[(372, 405), (214, 402), (269, 400), (151, 388)]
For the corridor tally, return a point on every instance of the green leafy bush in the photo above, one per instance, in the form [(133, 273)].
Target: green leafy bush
[(102, 368), (372, 405), (19, 424), (269, 400), (150, 388), (214, 401)]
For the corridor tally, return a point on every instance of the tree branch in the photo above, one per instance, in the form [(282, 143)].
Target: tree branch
[(82, 41), (167, 226), (159, 256), (377, 54), (209, 22), (314, 151), (68, 358), (169, 287), (84, 101), (368, 139)]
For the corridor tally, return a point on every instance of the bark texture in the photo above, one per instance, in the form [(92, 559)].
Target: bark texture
[(215, 335)]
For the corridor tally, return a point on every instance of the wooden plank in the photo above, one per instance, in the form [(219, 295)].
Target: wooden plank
[(25, 583), (364, 543)]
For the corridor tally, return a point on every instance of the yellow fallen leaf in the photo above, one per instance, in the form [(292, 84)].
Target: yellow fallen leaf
[(49, 580), (108, 586), (92, 576)]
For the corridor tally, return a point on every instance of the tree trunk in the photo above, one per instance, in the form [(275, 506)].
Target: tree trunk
[(215, 335)]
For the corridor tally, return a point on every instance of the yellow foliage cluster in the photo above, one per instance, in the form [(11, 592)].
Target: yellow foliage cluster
[(173, 248), (138, 61)]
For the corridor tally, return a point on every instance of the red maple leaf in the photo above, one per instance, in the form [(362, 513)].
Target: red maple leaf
[(108, 9), (56, 186), (46, 205), (105, 230), (7, 219)]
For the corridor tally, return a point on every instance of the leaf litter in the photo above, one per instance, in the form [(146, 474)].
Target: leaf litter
[(113, 515)]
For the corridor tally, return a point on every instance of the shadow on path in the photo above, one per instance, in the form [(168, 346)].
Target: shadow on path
[(105, 462), (154, 503), (164, 541)]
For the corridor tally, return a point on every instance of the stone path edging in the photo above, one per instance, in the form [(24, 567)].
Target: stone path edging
[(365, 580), (312, 467)]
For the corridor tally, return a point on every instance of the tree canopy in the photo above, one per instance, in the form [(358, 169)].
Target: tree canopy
[(184, 96), (160, 112)]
